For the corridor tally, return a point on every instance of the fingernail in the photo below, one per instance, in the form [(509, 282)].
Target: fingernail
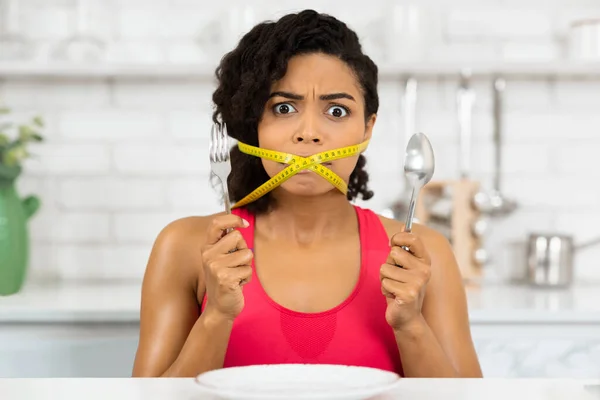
[(245, 223)]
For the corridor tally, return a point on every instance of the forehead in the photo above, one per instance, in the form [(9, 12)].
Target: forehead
[(318, 72)]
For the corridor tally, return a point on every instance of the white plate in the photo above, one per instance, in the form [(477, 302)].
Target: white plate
[(297, 381)]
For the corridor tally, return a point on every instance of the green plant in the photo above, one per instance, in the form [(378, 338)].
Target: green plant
[(15, 139)]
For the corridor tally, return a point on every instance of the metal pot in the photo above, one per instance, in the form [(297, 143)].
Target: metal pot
[(550, 259)]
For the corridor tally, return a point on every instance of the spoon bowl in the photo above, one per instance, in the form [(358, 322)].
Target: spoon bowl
[(419, 166)]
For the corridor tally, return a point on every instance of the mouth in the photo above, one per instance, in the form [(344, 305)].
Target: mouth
[(307, 171)]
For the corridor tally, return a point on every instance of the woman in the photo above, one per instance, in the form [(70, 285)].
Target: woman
[(304, 276)]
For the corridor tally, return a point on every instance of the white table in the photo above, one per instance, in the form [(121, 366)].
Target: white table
[(186, 389)]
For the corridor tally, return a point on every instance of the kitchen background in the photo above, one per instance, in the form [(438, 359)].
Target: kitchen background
[(124, 88)]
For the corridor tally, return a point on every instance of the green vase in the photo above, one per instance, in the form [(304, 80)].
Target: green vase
[(14, 237)]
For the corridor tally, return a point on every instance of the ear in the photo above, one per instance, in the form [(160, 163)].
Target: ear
[(369, 127)]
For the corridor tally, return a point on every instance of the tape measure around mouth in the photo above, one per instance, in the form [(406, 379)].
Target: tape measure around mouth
[(298, 164)]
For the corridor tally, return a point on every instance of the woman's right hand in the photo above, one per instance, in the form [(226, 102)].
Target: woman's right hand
[(227, 267)]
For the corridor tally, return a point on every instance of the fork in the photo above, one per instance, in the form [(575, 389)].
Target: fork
[(220, 164)]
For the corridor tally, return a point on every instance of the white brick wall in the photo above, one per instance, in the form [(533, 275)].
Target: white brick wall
[(55, 95), (162, 95), (69, 159), (581, 223), (110, 125), (72, 227), (125, 157), (161, 159), (112, 193), (193, 193), (135, 51), (126, 261), (552, 192)]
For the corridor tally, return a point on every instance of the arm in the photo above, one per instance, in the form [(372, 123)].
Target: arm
[(437, 342), (445, 311), (205, 348), (175, 340), (422, 354)]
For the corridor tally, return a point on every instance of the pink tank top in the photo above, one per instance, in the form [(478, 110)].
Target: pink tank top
[(353, 333)]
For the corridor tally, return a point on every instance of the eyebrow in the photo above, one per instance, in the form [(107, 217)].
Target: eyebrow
[(326, 97)]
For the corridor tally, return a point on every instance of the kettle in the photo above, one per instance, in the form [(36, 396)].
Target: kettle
[(550, 258)]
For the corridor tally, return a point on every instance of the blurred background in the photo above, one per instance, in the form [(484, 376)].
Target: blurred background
[(106, 115)]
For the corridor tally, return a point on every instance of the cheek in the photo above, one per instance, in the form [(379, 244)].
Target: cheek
[(345, 166), (271, 167), (268, 139), (270, 133), (350, 133)]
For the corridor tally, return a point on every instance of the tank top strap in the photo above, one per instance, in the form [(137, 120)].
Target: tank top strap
[(372, 232)]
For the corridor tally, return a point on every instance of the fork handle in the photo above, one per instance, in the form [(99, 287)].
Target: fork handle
[(227, 202)]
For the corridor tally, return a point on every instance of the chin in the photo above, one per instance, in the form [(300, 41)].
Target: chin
[(304, 186)]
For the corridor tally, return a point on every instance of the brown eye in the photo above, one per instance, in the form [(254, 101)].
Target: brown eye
[(284, 108), (338, 111)]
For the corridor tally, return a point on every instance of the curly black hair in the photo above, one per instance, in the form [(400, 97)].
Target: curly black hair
[(245, 76)]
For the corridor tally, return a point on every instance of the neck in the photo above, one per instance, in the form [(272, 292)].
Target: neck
[(306, 220)]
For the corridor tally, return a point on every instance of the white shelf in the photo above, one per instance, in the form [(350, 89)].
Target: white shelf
[(141, 71), (506, 69), (387, 71)]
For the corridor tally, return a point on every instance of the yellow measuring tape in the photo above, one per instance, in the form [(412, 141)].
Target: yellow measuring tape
[(298, 164)]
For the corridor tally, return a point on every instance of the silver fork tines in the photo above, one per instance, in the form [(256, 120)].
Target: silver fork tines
[(219, 159)]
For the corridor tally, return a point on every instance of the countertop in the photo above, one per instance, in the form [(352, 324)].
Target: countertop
[(187, 389), (120, 302)]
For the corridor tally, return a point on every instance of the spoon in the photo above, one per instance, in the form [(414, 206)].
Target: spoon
[(419, 165)]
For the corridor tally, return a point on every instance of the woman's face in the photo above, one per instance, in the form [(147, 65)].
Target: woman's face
[(317, 106)]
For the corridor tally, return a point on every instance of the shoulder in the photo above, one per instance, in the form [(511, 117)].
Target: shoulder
[(176, 235), (177, 250)]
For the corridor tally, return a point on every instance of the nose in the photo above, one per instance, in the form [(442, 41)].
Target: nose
[(305, 137), (308, 132)]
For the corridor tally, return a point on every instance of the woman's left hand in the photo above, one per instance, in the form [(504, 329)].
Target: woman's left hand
[(404, 277)]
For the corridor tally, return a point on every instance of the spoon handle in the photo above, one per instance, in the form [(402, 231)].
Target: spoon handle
[(411, 212)]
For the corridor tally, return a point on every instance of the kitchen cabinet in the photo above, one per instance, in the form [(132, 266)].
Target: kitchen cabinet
[(67, 350), (539, 350)]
